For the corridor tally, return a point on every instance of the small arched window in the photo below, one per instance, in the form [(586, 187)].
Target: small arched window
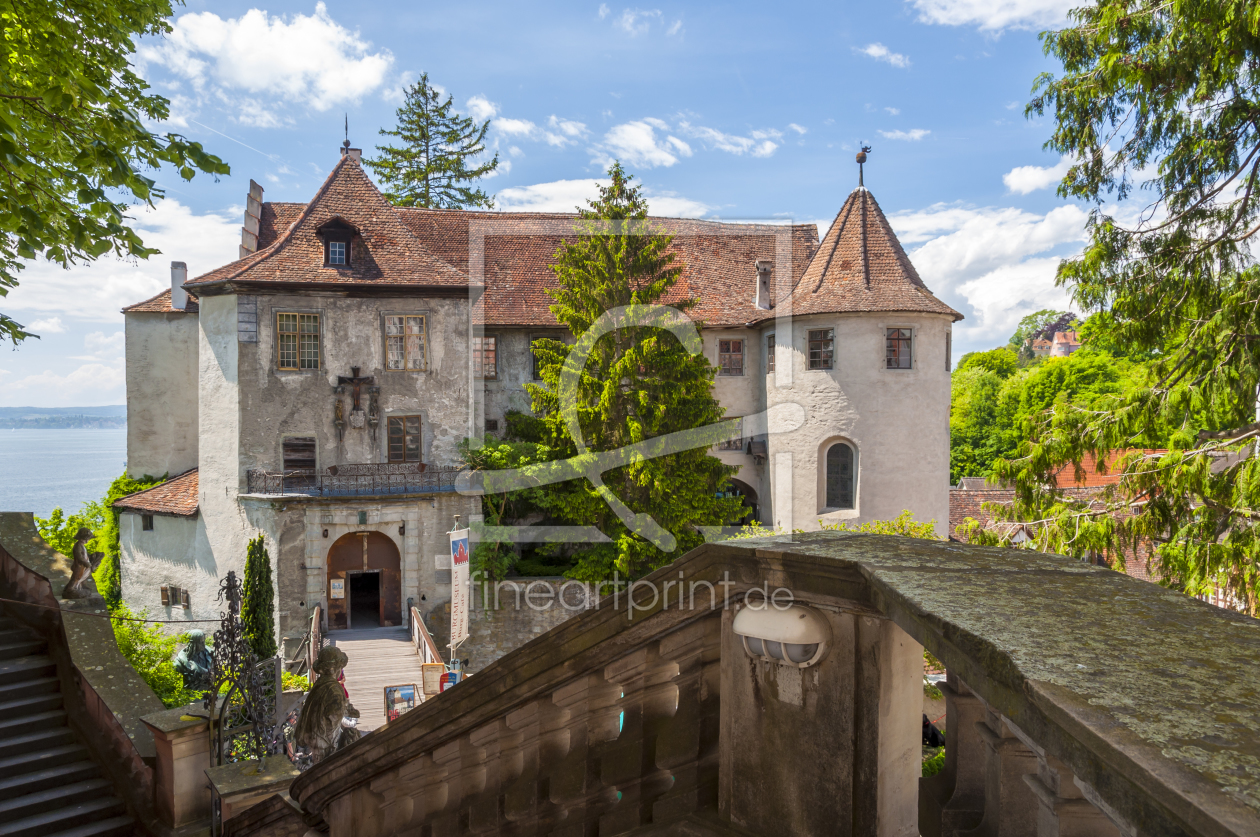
[(841, 476)]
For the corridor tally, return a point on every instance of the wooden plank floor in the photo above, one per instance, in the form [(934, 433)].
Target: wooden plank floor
[(379, 657)]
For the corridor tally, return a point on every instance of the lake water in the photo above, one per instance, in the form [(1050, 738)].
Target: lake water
[(41, 469)]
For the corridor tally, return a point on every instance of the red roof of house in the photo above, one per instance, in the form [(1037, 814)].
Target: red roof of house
[(161, 304), (860, 267), (177, 496)]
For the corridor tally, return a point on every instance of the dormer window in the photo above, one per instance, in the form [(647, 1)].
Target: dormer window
[(338, 237)]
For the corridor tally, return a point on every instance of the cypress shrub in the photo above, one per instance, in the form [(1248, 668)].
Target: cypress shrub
[(258, 608)]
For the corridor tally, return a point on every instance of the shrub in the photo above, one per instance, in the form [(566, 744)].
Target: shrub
[(294, 682), (259, 605), (151, 652)]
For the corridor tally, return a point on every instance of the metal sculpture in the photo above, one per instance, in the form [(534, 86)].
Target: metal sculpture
[(195, 663)]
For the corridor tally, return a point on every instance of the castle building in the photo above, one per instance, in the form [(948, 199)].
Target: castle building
[(315, 391)]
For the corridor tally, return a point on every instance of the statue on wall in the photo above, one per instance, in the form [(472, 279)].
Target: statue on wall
[(84, 564), (339, 413), (320, 727), (194, 662)]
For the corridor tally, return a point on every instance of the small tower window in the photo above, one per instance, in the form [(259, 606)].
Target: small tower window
[(822, 344), (770, 353), (337, 252), (840, 476), (898, 343), (730, 357), (146, 522)]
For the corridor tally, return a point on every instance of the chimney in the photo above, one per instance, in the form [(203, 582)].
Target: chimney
[(253, 211), (179, 296), (352, 153)]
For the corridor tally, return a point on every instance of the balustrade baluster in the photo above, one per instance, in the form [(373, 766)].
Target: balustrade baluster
[(1063, 810), (953, 800), (1010, 806), (687, 744), (587, 717)]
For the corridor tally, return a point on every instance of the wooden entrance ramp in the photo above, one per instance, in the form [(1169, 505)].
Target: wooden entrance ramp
[(379, 657)]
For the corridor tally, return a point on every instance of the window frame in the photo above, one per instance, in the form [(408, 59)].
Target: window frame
[(770, 347), (948, 350), (277, 313), (908, 339), (332, 246), (852, 478), (287, 437), (722, 368), (423, 316), (478, 357), (830, 351), (403, 418), (146, 522)]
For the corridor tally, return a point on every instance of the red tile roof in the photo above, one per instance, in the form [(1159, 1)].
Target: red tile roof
[(177, 496), (161, 304), (384, 252), (861, 266)]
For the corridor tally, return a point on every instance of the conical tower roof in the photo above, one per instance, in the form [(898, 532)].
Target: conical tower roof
[(861, 266), (386, 252)]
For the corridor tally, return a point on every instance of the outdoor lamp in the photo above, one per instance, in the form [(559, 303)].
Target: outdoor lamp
[(796, 636)]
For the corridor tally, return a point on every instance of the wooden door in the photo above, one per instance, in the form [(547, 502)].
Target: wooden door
[(365, 551)]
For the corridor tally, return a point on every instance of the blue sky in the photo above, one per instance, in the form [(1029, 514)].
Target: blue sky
[(733, 111)]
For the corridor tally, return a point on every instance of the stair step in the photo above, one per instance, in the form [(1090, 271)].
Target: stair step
[(62, 774), (8, 623), (21, 647), (26, 688), (16, 633), (29, 667), (34, 760), (112, 827), (80, 813), (24, 740), (31, 705), (10, 727), (47, 800)]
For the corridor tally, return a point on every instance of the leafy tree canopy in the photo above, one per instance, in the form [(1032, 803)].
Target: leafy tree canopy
[(1165, 97), (73, 142), (435, 163), (1002, 362)]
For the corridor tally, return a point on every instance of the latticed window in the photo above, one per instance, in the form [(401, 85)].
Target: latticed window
[(405, 343), (337, 252), (485, 357), (297, 341), (898, 348), (840, 474), (404, 438), (770, 353), (822, 348), (731, 357)]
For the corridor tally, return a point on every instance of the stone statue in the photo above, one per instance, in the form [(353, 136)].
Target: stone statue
[(194, 662), (319, 727), (84, 564)]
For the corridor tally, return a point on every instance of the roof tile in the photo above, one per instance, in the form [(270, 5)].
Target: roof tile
[(177, 496)]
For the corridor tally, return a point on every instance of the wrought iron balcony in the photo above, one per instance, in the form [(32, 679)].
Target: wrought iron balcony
[(356, 480)]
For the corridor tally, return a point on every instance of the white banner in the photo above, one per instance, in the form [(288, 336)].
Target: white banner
[(459, 586)]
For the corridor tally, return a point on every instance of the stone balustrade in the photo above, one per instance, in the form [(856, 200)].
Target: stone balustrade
[(1079, 702)]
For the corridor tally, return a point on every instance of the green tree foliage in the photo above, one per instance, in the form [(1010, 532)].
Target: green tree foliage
[(151, 652), (903, 525), (1030, 324), (1161, 99), (73, 141), (494, 559), (638, 383), (59, 530), (258, 605), (431, 166), (1002, 362)]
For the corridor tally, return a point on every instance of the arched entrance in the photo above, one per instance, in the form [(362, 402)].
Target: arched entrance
[(364, 582), (750, 511)]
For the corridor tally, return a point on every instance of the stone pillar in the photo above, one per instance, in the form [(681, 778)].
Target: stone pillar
[(1063, 810), (953, 800), (1010, 806), (183, 755)]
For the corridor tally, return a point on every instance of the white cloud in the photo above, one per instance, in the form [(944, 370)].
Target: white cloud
[(993, 264), (636, 144), (50, 325), (308, 60), (559, 132), (99, 343), (893, 111), (913, 135), (757, 143), (603, 10), (97, 291), (567, 195), (798, 128), (480, 108), (89, 381), (1025, 179), (674, 28), (516, 152), (882, 53), (636, 22), (995, 15)]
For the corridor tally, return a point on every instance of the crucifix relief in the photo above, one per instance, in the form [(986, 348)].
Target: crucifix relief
[(358, 417)]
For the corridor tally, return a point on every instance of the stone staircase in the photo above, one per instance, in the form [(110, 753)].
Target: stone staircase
[(49, 785)]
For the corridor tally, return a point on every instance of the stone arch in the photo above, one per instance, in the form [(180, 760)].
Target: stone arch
[(353, 559), (837, 475), (752, 509)]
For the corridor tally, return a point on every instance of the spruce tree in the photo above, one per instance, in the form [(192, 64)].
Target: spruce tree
[(431, 167), (639, 382), (258, 608)]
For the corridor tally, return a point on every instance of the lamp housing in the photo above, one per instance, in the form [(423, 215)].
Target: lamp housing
[(795, 636)]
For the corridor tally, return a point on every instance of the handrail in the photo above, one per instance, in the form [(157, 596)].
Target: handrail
[(425, 646), (352, 481)]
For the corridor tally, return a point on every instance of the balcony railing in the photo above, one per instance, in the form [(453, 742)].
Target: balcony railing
[(357, 480)]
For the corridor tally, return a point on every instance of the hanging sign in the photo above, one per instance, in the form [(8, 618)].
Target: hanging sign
[(459, 586), (338, 588)]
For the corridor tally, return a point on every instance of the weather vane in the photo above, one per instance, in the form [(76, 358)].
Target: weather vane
[(346, 144), (861, 159)]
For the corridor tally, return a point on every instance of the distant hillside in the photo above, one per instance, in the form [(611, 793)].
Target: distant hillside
[(113, 415)]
